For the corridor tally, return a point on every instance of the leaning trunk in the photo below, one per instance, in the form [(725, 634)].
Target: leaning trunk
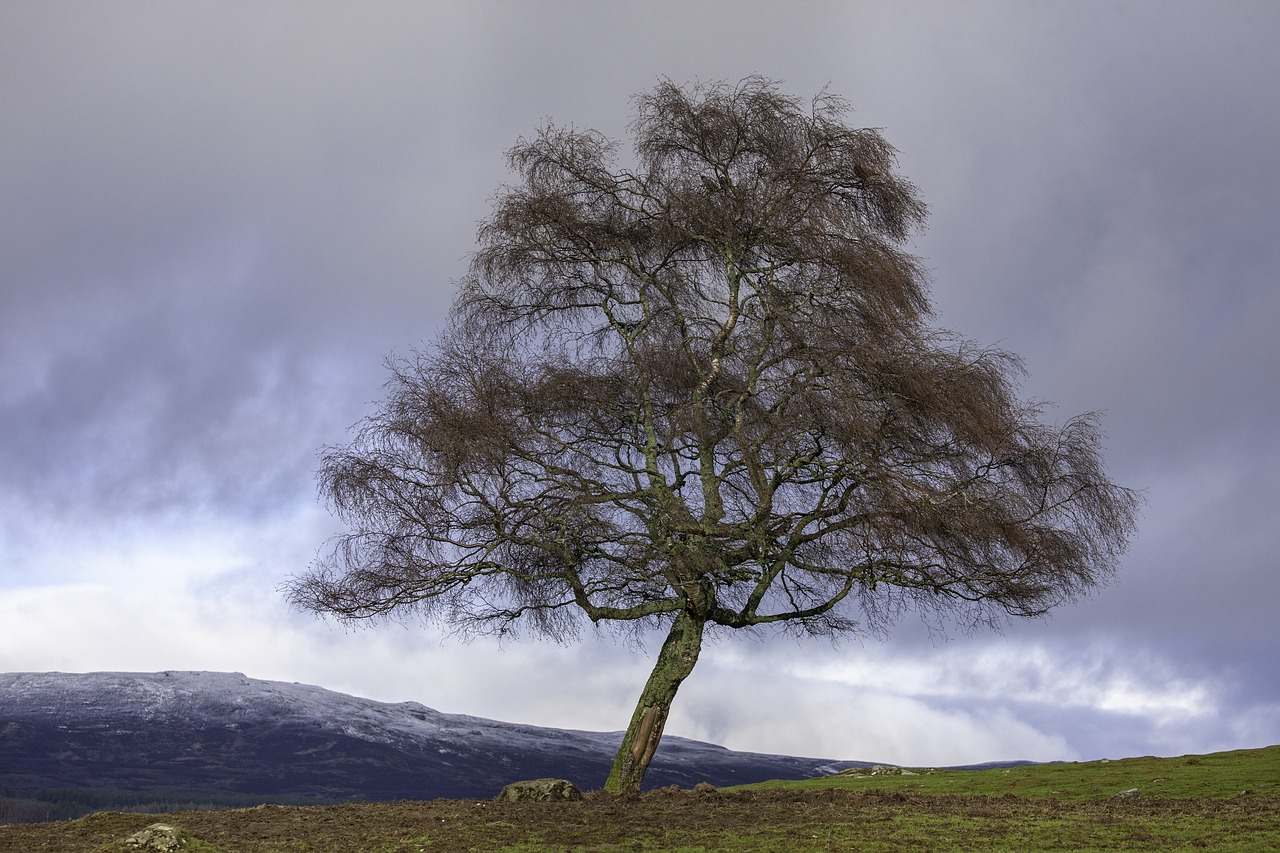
[(675, 661)]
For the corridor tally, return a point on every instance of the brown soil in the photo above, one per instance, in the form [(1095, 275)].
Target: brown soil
[(760, 820)]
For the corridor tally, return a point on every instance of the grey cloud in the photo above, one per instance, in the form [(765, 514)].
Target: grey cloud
[(215, 221)]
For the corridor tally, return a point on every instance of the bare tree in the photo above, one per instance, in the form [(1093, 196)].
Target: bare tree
[(703, 394)]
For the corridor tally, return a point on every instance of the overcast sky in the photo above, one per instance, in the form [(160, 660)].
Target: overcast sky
[(217, 219)]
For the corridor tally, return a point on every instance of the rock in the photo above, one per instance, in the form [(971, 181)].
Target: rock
[(890, 770), (540, 790), (1130, 794), (161, 837)]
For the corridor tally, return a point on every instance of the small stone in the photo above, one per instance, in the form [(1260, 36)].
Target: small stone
[(1130, 794), (889, 770), (540, 790), (161, 837)]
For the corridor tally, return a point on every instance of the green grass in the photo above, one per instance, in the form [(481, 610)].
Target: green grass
[(1224, 801), (1218, 775), (870, 823)]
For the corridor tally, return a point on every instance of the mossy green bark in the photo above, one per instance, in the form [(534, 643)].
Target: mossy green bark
[(675, 661)]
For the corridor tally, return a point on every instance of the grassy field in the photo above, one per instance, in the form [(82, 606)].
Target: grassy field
[(1222, 774), (1224, 801)]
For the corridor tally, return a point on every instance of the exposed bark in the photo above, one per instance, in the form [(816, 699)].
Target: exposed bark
[(675, 661)]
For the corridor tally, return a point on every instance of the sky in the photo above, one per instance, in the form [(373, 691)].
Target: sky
[(218, 219)]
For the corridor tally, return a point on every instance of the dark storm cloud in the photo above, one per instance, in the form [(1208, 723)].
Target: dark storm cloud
[(1131, 195), (216, 219), (1106, 207), (200, 219), (200, 198)]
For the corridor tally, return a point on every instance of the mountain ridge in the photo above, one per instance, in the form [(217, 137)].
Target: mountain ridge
[(226, 733)]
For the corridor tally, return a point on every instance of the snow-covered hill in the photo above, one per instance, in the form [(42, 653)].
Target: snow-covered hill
[(227, 733)]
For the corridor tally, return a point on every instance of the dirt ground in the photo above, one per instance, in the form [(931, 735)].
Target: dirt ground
[(759, 820)]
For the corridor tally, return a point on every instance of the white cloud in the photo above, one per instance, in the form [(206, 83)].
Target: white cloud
[(763, 710), (83, 627), (1100, 678), (962, 704)]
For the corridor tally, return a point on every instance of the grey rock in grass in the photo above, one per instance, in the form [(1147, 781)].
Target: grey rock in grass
[(161, 837), (890, 770), (540, 790)]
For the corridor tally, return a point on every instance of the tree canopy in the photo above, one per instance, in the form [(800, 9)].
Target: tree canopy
[(704, 391)]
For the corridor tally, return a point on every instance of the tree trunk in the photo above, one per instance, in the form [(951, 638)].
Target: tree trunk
[(675, 661)]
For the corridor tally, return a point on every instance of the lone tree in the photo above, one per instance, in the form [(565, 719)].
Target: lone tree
[(703, 394)]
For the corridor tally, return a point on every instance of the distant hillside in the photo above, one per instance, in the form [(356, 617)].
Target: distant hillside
[(226, 735)]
